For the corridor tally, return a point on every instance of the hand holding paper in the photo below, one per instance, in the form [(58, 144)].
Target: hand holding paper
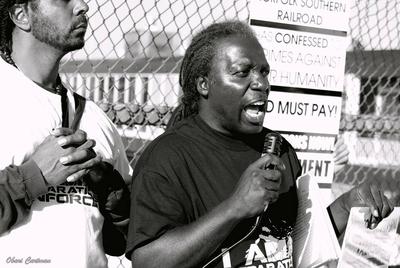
[(379, 195)]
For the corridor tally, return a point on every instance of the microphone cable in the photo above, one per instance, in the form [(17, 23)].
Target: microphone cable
[(256, 223)]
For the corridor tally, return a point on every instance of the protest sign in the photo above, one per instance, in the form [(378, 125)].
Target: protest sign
[(305, 44)]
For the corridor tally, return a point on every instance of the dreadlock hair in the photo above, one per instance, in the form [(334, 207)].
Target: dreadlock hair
[(6, 28), (197, 63)]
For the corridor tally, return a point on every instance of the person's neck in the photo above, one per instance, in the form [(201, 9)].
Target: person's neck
[(38, 61), (209, 119)]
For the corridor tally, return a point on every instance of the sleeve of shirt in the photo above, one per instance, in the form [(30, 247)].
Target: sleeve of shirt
[(155, 209), (19, 186)]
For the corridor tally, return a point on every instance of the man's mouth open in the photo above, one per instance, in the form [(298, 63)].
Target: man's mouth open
[(255, 112)]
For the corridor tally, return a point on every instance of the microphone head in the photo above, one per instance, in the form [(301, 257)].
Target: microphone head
[(272, 144)]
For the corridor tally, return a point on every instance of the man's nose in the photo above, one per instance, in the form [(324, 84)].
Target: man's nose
[(80, 7), (260, 82)]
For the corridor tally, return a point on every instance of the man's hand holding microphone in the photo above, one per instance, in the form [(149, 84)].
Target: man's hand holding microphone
[(257, 187)]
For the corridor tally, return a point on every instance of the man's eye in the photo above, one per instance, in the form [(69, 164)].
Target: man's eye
[(242, 73)]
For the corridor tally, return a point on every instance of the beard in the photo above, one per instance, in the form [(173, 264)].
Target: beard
[(61, 38)]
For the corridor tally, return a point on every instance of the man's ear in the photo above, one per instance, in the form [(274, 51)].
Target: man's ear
[(19, 15), (202, 85)]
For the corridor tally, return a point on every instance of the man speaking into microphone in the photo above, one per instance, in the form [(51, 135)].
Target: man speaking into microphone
[(200, 186), (201, 189)]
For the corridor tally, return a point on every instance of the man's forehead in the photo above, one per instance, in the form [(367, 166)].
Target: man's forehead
[(240, 50)]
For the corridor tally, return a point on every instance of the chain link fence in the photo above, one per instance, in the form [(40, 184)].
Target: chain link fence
[(130, 63), (370, 120)]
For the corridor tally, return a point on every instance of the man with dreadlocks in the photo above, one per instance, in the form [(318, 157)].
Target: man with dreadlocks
[(201, 188), (73, 224)]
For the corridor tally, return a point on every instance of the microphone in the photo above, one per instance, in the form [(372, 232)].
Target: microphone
[(272, 145)]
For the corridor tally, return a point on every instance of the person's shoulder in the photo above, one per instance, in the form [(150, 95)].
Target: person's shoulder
[(170, 141), (14, 84), (167, 150), (5, 66)]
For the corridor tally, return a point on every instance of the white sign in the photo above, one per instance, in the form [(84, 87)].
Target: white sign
[(323, 14), (314, 152), (304, 60), (304, 42), (308, 142), (305, 112), (318, 165)]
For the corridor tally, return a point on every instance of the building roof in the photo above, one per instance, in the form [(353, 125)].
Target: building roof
[(373, 63)]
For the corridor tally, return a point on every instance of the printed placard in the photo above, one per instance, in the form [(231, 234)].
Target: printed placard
[(304, 42), (323, 14), (305, 60), (310, 142), (315, 153), (318, 165), (299, 112)]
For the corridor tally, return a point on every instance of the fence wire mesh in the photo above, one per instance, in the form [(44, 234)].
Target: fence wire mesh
[(130, 63), (370, 116)]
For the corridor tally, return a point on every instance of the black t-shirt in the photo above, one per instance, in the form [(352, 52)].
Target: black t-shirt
[(189, 170)]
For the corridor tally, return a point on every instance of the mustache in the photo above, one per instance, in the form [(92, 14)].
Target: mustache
[(82, 20)]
